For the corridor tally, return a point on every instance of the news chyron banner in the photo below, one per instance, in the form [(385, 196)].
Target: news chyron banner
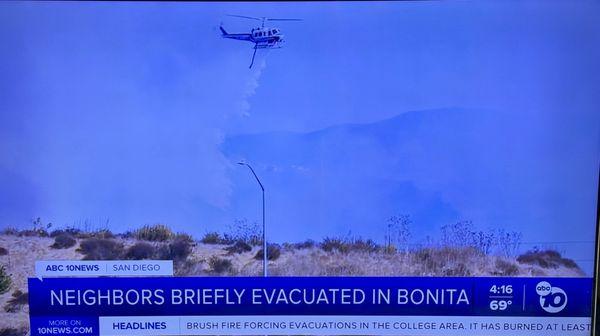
[(310, 306)]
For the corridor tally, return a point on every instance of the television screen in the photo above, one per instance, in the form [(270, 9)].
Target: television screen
[(298, 168)]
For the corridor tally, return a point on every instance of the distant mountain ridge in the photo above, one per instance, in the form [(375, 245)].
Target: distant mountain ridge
[(501, 170), (355, 175)]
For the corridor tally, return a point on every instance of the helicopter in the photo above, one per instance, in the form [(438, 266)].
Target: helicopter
[(262, 37)]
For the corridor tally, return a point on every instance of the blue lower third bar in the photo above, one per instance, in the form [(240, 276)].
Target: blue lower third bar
[(310, 306), (394, 296)]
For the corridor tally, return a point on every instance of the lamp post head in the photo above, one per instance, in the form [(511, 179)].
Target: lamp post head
[(242, 163)]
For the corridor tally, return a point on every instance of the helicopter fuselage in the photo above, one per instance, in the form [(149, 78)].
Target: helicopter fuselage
[(262, 37)]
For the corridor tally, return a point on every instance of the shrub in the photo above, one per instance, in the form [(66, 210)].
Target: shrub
[(398, 231), (390, 249), (3, 251), (33, 233), (239, 247), (10, 231), (5, 280), (100, 249), (75, 232), (156, 233), (55, 233), (184, 236), (508, 242), (343, 269), (180, 248), (211, 238), (484, 241), (506, 268), (177, 250), (331, 244), (347, 245), (39, 229), (305, 244), (546, 259), (243, 230), (16, 302), (140, 251), (449, 261), (104, 233), (228, 239), (63, 241), (459, 234), (220, 265), (13, 332), (273, 252), (360, 245), (459, 269)]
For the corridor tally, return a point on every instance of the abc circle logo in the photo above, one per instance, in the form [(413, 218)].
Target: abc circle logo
[(552, 299)]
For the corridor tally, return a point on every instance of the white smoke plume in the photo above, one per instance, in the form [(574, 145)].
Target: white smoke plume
[(252, 84)]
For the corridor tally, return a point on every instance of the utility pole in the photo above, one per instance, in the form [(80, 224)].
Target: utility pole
[(262, 188)]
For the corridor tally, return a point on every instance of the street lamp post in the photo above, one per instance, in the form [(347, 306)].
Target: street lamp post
[(262, 188)]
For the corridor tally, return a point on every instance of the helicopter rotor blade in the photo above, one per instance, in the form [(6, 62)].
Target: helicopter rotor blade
[(269, 19), (246, 17), (263, 18)]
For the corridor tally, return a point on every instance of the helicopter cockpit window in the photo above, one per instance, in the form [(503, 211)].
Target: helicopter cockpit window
[(269, 33)]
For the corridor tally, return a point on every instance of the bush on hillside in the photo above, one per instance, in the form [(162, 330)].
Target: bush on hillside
[(78, 233), (13, 332), (305, 244), (177, 250), (239, 247), (211, 238), (220, 265), (154, 233), (451, 261), (242, 229), (103, 233), (349, 245), (334, 244), (10, 231), (546, 259), (273, 252), (63, 241), (506, 268), (5, 280), (101, 249), (17, 301), (140, 251), (33, 233)]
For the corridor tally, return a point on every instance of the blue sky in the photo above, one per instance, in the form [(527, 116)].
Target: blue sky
[(120, 112)]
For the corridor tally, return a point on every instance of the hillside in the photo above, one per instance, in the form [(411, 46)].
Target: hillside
[(439, 166), (215, 257)]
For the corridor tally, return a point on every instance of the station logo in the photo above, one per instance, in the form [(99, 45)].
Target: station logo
[(552, 299)]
